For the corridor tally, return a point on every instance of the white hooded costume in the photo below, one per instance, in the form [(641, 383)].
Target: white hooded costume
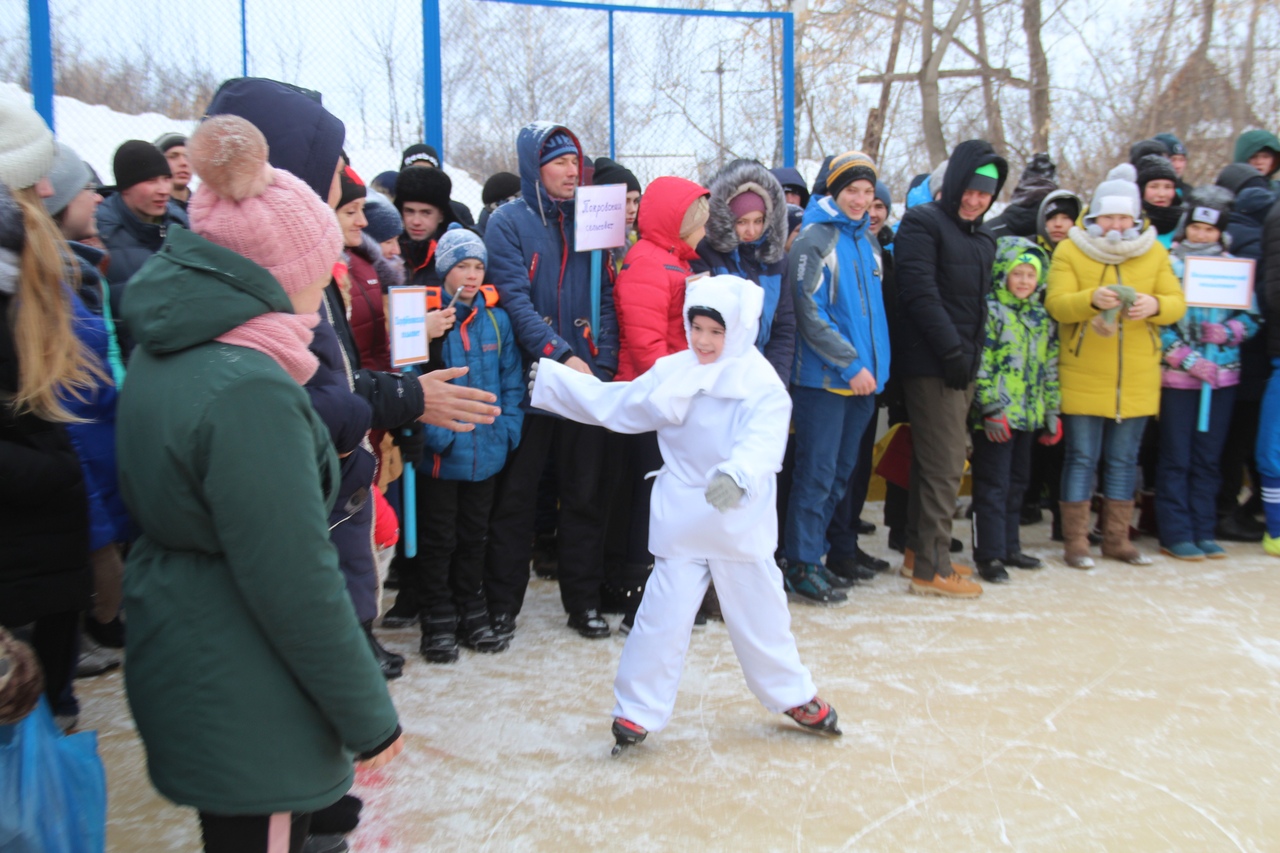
[(730, 417)]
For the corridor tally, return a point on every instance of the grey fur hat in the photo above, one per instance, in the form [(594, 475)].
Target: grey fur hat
[(743, 176), (1210, 205)]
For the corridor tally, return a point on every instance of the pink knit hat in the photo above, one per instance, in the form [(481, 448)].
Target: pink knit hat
[(265, 214), (747, 201)]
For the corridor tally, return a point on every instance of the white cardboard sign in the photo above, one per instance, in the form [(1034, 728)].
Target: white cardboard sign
[(410, 343), (1218, 282), (600, 217)]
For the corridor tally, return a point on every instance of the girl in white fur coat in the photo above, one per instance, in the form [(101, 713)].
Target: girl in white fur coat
[(721, 415)]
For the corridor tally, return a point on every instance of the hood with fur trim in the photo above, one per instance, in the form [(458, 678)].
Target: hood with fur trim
[(738, 177)]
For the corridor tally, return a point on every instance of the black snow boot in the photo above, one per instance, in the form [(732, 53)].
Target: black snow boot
[(392, 664), (439, 638), (475, 632)]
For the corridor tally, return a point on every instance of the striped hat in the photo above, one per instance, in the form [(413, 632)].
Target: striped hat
[(849, 167)]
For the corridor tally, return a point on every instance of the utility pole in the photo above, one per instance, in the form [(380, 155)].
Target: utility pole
[(720, 71)]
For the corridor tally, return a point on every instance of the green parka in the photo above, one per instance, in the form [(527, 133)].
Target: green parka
[(249, 677), (1018, 374)]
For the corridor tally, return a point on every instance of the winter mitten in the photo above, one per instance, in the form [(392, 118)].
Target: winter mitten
[(997, 428), (1206, 371), (956, 370), (1236, 331), (533, 376), (1213, 333), (1052, 431), (723, 493)]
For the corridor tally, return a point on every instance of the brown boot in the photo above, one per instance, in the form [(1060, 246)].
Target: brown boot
[(1116, 516), (1075, 534)]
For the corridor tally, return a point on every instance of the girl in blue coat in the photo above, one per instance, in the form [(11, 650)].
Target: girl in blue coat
[(457, 484)]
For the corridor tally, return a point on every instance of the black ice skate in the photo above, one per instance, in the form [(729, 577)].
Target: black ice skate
[(626, 733), (817, 716)]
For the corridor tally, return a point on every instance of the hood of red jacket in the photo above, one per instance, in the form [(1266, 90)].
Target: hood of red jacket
[(662, 209)]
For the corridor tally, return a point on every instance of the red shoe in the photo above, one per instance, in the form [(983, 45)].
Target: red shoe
[(816, 716)]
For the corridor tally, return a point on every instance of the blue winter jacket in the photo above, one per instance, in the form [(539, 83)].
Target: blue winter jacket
[(544, 285), (481, 340), (130, 242), (95, 438), (839, 304)]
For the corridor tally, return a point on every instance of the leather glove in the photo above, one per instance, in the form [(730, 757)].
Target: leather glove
[(723, 493), (1052, 430), (996, 426), (533, 376), (1206, 371), (1213, 333), (412, 446), (956, 370)]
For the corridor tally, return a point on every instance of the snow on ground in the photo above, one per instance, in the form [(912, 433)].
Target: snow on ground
[(1124, 708), (95, 132)]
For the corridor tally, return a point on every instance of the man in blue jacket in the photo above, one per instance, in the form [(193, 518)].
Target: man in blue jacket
[(842, 361), (545, 287)]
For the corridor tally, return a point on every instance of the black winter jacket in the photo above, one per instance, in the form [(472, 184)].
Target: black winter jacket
[(1267, 276), (943, 272), (44, 509)]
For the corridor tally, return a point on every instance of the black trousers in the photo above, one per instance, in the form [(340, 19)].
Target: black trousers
[(453, 533), (627, 537), (252, 833), (580, 463), (1000, 474)]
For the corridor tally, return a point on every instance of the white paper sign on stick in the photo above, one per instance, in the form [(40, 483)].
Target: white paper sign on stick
[(409, 340), (600, 217), (1218, 282)]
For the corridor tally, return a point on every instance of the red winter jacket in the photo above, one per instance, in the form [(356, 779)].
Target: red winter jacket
[(649, 293), (370, 276)]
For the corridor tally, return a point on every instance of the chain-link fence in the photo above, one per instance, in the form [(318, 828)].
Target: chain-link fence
[(689, 91)]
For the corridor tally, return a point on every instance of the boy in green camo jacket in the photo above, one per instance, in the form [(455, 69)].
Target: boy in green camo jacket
[(1015, 395)]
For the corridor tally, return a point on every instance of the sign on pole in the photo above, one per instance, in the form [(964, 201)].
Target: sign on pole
[(600, 222), (1218, 282), (409, 339)]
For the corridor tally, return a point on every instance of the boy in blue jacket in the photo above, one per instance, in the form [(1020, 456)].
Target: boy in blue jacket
[(456, 483), (842, 362)]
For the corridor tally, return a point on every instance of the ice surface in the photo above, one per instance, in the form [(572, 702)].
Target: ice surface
[(1123, 708)]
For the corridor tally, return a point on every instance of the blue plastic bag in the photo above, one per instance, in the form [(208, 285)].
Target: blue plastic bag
[(53, 790)]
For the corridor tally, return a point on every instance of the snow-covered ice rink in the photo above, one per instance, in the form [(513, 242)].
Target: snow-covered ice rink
[(1123, 708)]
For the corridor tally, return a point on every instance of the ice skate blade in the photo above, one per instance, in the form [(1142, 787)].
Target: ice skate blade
[(619, 748)]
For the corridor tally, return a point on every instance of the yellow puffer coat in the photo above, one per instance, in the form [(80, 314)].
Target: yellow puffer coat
[(1117, 376)]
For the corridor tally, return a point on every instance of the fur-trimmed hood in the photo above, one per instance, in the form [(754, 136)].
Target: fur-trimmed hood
[(733, 179)]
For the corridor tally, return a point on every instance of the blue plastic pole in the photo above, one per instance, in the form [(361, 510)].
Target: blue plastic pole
[(409, 504), (595, 294), (789, 91), (1206, 395), (432, 78), (41, 35), (613, 113), (244, 40)]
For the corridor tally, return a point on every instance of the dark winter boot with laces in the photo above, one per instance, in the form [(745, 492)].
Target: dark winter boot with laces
[(806, 583), (475, 632), (439, 639)]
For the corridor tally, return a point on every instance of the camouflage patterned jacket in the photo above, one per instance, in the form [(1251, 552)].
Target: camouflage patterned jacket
[(1019, 370)]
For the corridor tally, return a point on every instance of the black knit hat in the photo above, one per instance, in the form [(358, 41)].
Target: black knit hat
[(703, 311), (419, 154), (137, 161), (502, 185), (172, 139), (611, 172), (1155, 167), (1209, 205), (425, 186), (1239, 177), (352, 187), (1146, 147)]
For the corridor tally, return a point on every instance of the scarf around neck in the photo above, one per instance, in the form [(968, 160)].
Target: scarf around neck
[(1106, 251), (284, 337)]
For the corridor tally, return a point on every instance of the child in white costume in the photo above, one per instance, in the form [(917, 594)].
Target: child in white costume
[(722, 424)]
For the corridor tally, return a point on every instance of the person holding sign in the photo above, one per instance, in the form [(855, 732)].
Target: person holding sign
[(1110, 285), (1201, 357)]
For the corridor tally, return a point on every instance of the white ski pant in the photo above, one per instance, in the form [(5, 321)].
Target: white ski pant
[(755, 613)]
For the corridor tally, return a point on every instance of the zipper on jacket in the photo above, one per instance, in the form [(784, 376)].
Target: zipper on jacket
[(564, 263), (1119, 367)]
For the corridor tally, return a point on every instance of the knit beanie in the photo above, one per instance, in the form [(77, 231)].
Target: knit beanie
[(849, 167), (1172, 144), (1146, 148), (352, 187), (985, 179), (456, 246), (937, 176), (265, 214), (384, 221), (611, 172), (137, 161), (419, 154), (558, 144), (747, 201), (885, 197), (26, 143), (21, 679), (170, 140), (425, 186), (1117, 195), (69, 176), (1208, 205), (795, 216), (1239, 177), (695, 216), (1070, 205), (1155, 167), (499, 187), (385, 183)]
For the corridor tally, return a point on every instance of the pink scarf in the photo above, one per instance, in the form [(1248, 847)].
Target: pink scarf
[(284, 337)]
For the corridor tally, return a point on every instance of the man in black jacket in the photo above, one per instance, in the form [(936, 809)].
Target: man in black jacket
[(944, 257)]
